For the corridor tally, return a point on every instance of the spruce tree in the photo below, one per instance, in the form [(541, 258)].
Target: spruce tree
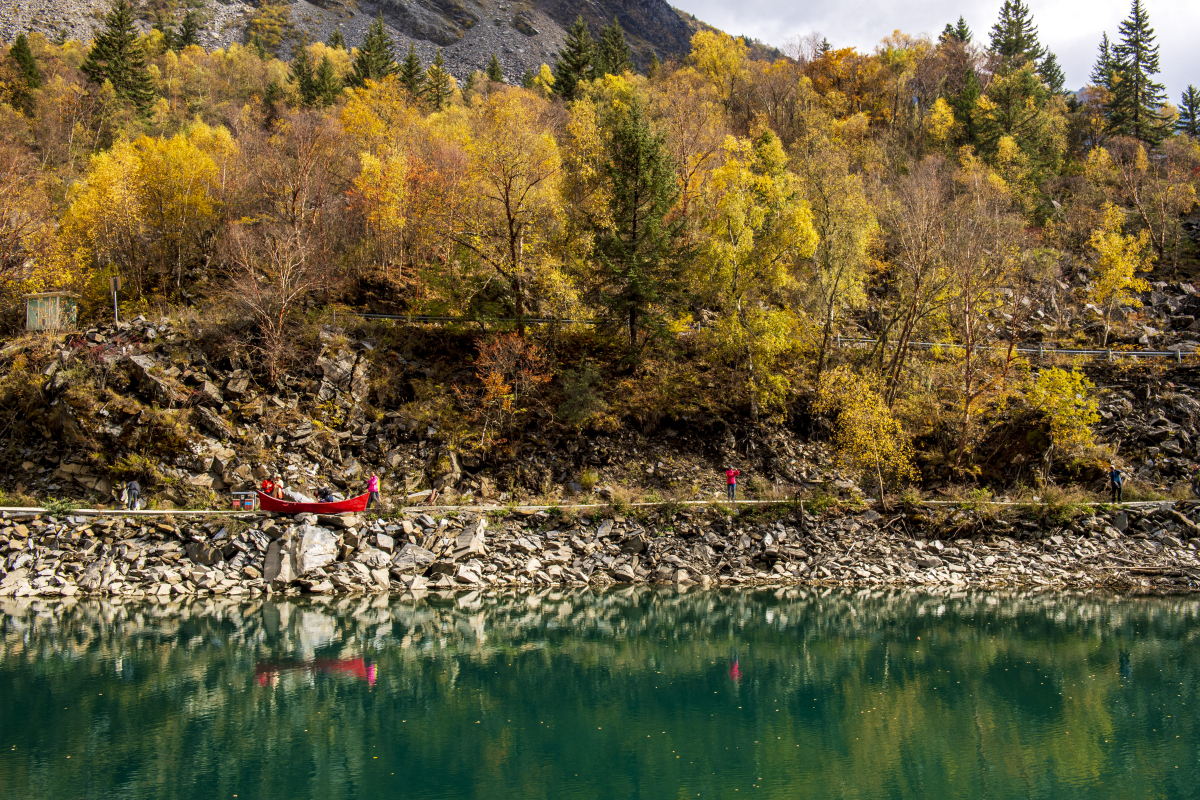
[(493, 71), (189, 30), (1102, 73), (1189, 112), (411, 75), (655, 66), (639, 251), (574, 63), (326, 85), (1051, 73), (527, 79), (612, 51), (957, 33), (336, 40), (1135, 100), (23, 56), (301, 74), (27, 76), (376, 57), (1014, 37), (117, 56), (261, 49), (439, 85)]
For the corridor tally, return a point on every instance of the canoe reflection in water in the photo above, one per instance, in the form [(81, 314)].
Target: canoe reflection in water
[(268, 673)]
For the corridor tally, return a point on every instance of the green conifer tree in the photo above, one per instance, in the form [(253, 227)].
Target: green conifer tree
[(257, 43), (301, 74), (439, 85), (1102, 73), (1134, 106), (1014, 37), (336, 40), (958, 32), (376, 57), (1051, 73), (527, 79), (326, 85), (493, 71), (23, 56), (574, 63), (640, 253), (612, 51), (411, 73), (189, 30), (117, 56), (27, 76), (655, 66), (1189, 112)]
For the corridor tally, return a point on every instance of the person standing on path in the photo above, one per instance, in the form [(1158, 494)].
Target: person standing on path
[(373, 491), (1116, 482), (133, 492), (731, 476)]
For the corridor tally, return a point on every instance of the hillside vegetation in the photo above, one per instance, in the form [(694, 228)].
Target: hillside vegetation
[(708, 236)]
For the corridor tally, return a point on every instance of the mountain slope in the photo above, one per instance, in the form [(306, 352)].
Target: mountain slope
[(523, 34)]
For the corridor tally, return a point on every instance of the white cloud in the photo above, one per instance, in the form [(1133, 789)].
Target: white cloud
[(1070, 28)]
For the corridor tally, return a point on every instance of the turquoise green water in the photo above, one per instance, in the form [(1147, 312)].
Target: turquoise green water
[(633, 693)]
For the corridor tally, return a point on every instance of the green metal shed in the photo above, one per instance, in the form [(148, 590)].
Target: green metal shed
[(51, 311)]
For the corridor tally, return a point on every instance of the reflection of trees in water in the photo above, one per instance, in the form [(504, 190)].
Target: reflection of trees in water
[(981, 684)]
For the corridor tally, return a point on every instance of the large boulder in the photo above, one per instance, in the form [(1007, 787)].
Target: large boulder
[(277, 567), (291, 557), (313, 547), (471, 542), (204, 553), (412, 558), (152, 387)]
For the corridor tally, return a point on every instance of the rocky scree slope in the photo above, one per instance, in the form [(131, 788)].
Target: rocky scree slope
[(148, 401), (523, 34), (247, 555)]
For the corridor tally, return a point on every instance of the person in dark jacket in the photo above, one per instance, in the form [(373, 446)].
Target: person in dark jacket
[(1116, 482), (133, 493)]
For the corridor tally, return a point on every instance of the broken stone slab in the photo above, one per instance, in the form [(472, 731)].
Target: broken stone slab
[(313, 548), (212, 423), (412, 558), (203, 553)]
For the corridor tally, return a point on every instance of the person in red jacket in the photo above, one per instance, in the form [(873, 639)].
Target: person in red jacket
[(268, 486), (731, 476)]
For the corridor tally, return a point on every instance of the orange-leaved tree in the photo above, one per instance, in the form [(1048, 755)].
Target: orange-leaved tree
[(511, 370)]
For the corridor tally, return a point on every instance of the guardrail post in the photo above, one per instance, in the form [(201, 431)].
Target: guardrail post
[(1041, 352), (1179, 356), (1110, 354)]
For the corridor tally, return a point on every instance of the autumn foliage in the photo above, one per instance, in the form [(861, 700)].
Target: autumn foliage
[(726, 223)]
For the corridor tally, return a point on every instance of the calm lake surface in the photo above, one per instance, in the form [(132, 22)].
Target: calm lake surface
[(631, 693)]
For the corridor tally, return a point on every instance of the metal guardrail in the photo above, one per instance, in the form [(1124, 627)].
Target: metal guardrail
[(1041, 352), (411, 318), (840, 341)]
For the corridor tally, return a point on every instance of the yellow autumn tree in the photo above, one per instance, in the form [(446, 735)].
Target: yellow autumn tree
[(1119, 258), (722, 60), (513, 188), (181, 181), (1064, 398), (758, 227), (844, 224), (868, 439), (104, 224)]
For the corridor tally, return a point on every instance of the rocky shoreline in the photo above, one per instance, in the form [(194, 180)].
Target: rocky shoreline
[(1147, 547)]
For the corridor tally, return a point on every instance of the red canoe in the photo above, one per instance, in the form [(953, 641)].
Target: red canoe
[(268, 503)]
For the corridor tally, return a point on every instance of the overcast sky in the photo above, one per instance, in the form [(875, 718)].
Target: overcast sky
[(1071, 28)]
